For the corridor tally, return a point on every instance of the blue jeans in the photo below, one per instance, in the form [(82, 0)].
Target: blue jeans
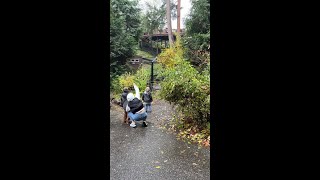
[(137, 117), (147, 107)]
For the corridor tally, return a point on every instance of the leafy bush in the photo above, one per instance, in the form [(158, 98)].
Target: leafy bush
[(142, 77), (115, 87), (185, 87), (171, 56), (189, 90), (126, 80)]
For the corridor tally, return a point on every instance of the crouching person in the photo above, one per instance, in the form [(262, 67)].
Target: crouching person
[(135, 109)]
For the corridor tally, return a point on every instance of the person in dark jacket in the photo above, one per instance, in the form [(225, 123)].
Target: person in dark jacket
[(147, 99), (123, 103), (135, 109)]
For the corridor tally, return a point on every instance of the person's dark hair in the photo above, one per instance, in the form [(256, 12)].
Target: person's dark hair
[(125, 89)]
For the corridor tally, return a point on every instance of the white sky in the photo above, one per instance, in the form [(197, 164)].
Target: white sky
[(185, 4)]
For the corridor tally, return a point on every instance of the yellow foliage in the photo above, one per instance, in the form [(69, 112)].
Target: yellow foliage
[(171, 56), (126, 80), (166, 58)]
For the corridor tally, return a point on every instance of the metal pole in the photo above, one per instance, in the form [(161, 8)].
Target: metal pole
[(151, 81), (157, 46), (151, 76)]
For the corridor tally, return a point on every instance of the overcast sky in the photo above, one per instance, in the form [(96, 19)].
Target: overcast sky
[(185, 4)]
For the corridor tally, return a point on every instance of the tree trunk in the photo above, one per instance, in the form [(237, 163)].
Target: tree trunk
[(178, 17), (169, 23)]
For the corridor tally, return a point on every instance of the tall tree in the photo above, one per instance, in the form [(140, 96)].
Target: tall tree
[(155, 15), (169, 23), (124, 31), (198, 21), (153, 19), (178, 16), (197, 36)]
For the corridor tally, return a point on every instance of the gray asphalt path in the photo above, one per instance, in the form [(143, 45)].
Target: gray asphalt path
[(152, 153)]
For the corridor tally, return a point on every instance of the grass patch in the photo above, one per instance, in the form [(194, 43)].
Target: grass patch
[(144, 54)]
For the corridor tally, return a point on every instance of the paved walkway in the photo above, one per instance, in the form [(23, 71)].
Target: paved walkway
[(151, 153)]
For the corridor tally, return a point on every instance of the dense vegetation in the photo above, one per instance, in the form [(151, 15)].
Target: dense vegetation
[(187, 89), (155, 17), (184, 67), (197, 38), (125, 32)]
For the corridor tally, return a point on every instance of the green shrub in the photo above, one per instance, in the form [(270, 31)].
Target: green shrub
[(185, 87), (197, 49), (142, 77), (189, 90), (115, 87), (126, 80)]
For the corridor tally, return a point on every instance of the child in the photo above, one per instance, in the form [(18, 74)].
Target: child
[(147, 99), (123, 103)]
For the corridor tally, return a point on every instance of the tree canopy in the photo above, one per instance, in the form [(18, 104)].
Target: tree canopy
[(198, 21), (125, 31), (197, 37), (155, 16)]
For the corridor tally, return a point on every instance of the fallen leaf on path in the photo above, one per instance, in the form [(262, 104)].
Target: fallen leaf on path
[(206, 143), (165, 160), (194, 164), (158, 167), (182, 151)]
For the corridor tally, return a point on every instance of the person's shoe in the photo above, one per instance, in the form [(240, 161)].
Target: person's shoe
[(129, 121), (144, 124), (133, 125)]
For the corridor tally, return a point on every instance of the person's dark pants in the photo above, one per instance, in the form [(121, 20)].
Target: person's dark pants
[(147, 107)]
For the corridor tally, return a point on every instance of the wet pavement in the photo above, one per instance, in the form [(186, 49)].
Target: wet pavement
[(152, 153)]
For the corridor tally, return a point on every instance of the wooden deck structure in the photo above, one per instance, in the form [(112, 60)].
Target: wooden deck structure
[(156, 40)]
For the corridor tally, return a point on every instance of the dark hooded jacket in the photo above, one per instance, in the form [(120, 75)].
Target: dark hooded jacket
[(124, 97), (147, 97)]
